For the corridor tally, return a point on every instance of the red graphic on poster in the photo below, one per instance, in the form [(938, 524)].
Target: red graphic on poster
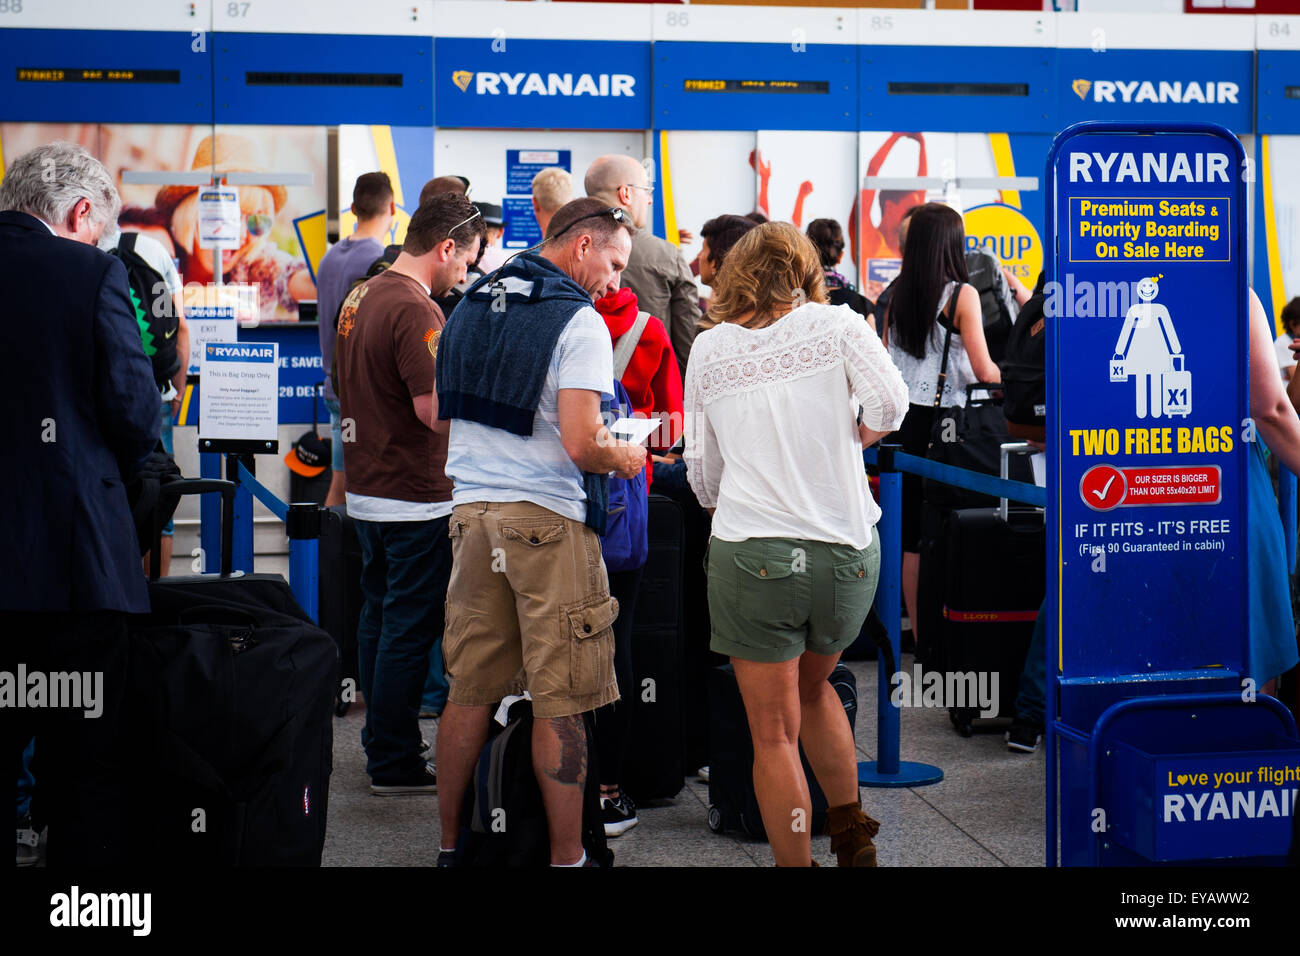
[(1102, 487)]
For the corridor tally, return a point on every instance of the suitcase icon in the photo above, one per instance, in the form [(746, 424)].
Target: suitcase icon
[(1176, 389)]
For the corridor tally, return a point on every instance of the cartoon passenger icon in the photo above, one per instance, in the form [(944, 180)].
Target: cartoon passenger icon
[(1148, 350)]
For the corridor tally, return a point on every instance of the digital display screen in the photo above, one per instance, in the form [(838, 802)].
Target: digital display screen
[(1291, 92), (32, 74), (262, 78), (756, 86), (959, 89)]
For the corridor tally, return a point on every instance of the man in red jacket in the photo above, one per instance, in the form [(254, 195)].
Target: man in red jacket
[(652, 378)]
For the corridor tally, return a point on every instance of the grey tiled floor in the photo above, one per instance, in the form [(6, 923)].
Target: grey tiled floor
[(987, 811)]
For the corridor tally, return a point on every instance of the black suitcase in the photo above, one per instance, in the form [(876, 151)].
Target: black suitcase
[(652, 767), (340, 600), (698, 660), (733, 804), (994, 583), (228, 719)]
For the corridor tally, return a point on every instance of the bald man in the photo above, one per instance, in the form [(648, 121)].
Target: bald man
[(656, 270)]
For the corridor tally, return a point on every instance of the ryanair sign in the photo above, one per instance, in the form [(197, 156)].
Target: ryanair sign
[(1156, 91), (554, 84), (1157, 86), (541, 84)]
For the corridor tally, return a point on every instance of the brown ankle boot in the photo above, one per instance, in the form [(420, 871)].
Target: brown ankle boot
[(851, 831)]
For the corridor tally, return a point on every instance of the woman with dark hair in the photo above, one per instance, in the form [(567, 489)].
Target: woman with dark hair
[(930, 297), (828, 237), (781, 396)]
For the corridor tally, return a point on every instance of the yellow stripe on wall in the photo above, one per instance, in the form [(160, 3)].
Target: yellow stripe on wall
[(184, 417), (1276, 291), (666, 183), (387, 155), (1005, 165)]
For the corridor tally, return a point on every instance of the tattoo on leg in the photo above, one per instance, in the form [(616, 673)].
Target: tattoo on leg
[(573, 750)]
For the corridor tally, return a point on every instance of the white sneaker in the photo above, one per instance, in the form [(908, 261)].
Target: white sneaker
[(703, 773)]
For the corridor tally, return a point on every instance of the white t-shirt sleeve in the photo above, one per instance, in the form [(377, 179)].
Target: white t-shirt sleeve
[(584, 355)]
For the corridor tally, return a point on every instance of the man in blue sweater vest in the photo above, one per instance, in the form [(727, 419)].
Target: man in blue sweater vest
[(523, 366)]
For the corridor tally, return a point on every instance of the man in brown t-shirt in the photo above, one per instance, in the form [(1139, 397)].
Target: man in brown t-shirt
[(395, 453)]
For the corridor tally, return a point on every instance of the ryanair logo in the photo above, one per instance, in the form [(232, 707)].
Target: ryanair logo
[(1161, 91), (552, 84)]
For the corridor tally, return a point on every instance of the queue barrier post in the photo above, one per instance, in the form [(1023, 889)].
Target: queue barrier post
[(889, 770), (303, 527), (302, 524), (209, 515)]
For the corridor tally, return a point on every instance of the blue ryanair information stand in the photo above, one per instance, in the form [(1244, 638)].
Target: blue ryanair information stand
[(1163, 749)]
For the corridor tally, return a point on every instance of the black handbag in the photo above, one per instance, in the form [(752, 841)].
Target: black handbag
[(969, 436)]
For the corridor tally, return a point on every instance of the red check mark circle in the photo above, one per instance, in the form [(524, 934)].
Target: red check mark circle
[(1103, 487)]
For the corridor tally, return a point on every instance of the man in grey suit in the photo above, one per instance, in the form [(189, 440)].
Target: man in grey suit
[(657, 272), (80, 414)]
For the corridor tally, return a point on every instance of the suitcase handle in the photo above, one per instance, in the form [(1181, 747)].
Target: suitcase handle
[(1007, 450), (196, 486)]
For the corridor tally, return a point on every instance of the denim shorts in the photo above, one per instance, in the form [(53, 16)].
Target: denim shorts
[(771, 599), (336, 435)]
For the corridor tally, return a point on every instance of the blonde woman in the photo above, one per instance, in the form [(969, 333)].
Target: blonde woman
[(781, 397)]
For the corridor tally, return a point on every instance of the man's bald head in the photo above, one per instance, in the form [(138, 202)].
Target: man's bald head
[(614, 179)]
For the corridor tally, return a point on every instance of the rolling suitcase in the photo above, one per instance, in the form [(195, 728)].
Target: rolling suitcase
[(993, 584), (652, 767), (340, 601), (228, 719), (733, 804)]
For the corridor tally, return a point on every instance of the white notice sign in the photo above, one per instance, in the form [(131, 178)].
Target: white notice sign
[(238, 383), (219, 216), (209, 324)]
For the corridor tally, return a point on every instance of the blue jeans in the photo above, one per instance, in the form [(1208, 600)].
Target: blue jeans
[(336, 434), (436, 685), (405, 569), (1031, 701)]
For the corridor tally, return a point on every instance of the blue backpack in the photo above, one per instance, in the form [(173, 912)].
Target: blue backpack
[(624, 544)]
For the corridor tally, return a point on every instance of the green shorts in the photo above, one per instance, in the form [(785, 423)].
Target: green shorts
[(771, 599)]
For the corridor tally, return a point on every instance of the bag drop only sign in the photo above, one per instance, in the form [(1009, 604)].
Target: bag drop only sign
[(1147, 313)]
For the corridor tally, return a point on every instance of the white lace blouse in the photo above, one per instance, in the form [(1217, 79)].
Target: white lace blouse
[(771, 425)]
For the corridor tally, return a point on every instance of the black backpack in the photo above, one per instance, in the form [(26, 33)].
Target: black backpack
[(1024, 377), (996, 302), (503, 820), (155, 313)]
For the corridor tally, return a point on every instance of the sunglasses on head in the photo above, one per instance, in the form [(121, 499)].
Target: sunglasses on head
[(618, 215), (477, 213), (615, 212)]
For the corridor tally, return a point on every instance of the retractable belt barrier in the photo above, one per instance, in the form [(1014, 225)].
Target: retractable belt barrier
[(302, 524), (888, 770)]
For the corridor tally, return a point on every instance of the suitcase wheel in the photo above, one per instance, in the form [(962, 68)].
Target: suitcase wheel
[(960, 722), (715, 819), (341, 706)]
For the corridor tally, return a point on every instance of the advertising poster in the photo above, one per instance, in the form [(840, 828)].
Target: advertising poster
[(1152, 438), (1006, 222), (1277, 257), (267, 252)]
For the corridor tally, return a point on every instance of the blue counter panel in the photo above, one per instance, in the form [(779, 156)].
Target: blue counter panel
[(278, 79), (100, 76)]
